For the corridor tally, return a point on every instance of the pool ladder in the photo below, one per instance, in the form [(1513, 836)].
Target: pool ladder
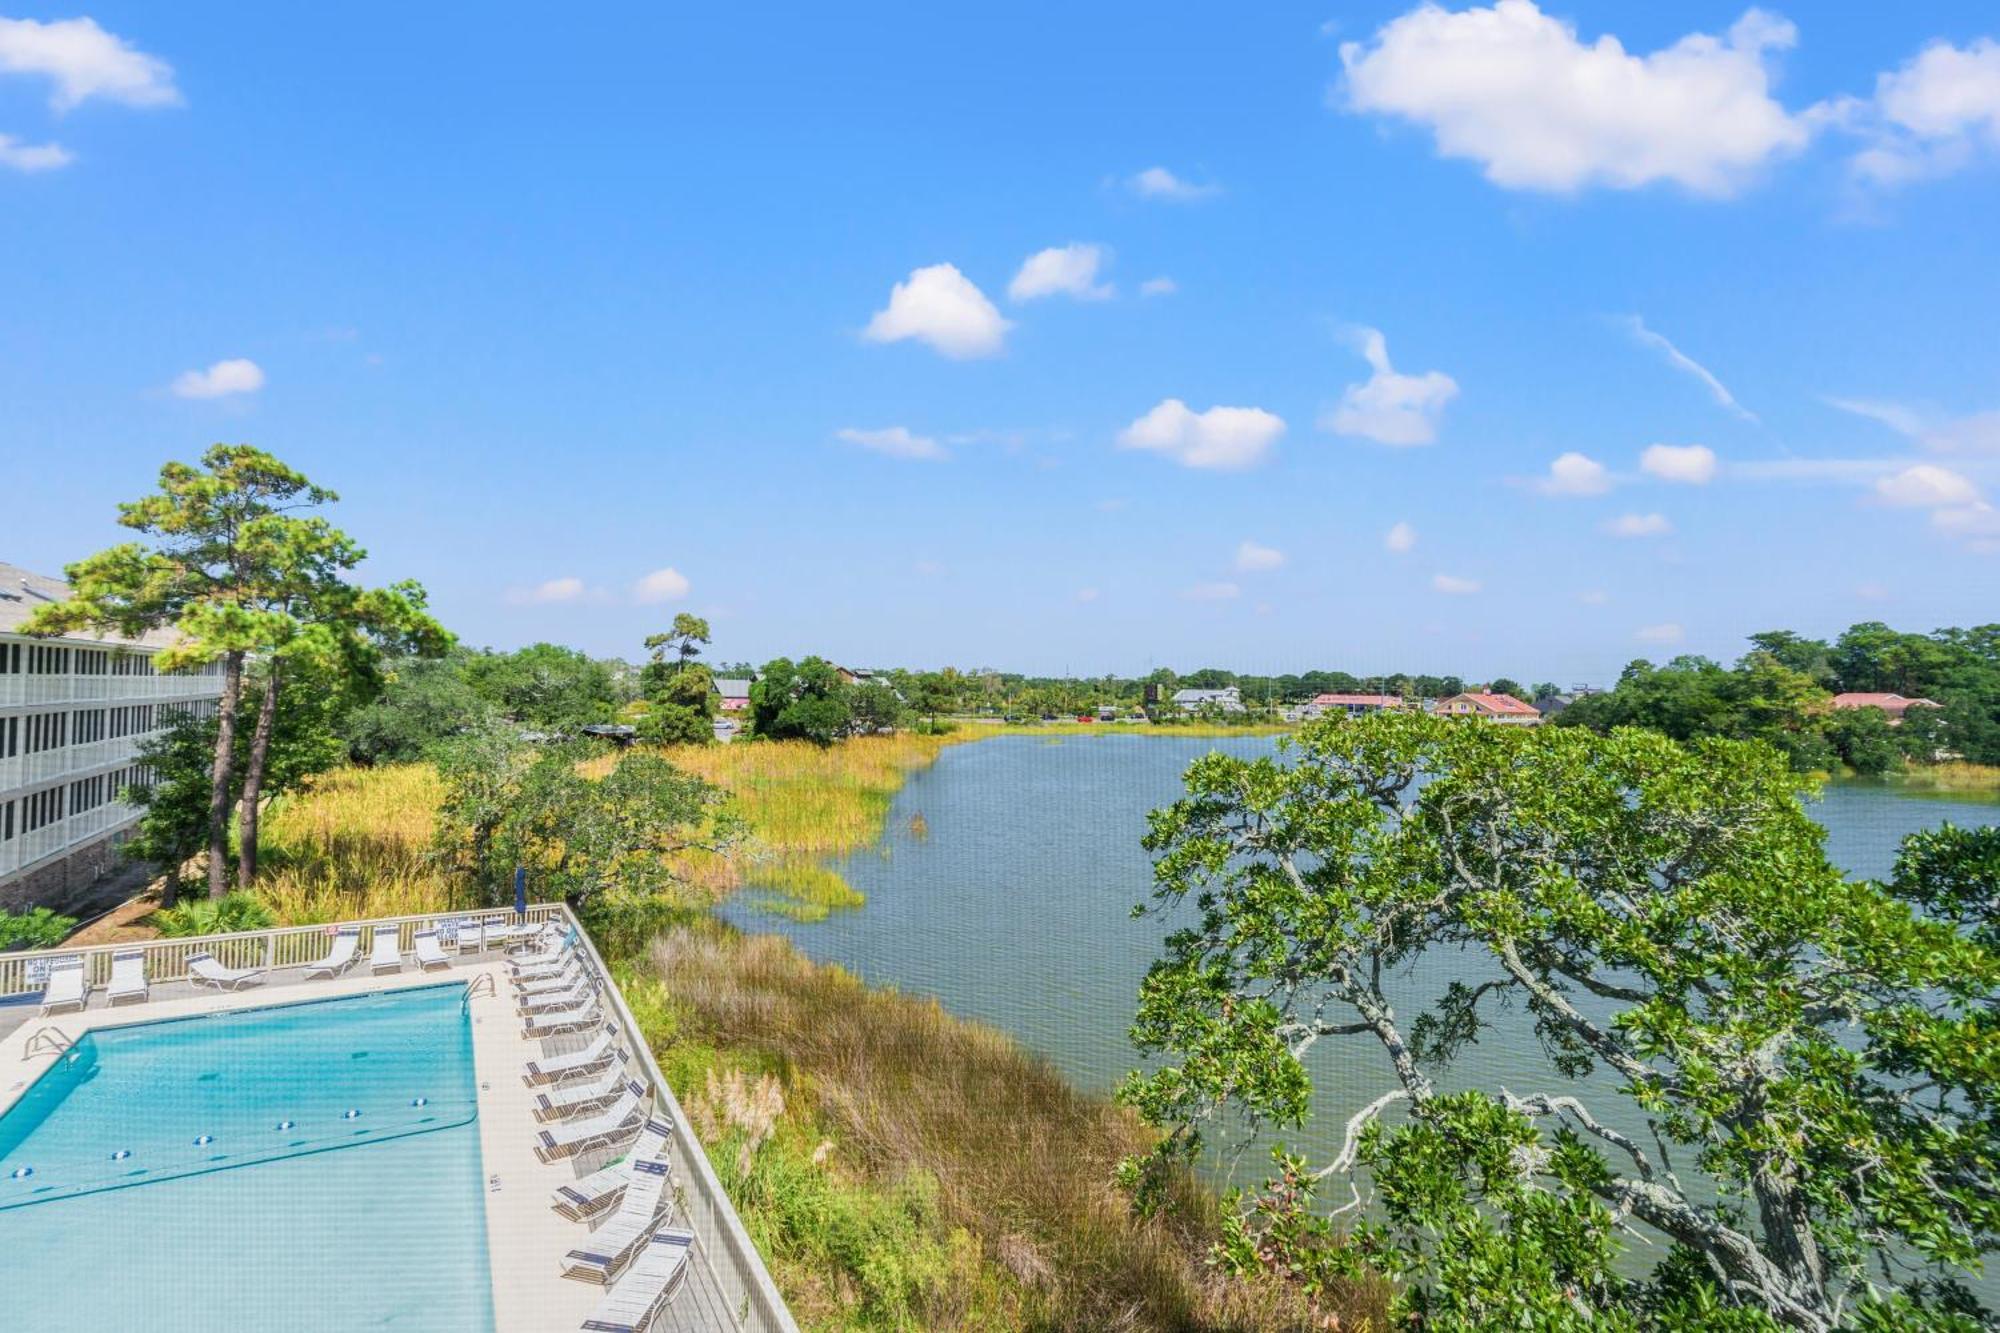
[(50, 1040), (480, 985)]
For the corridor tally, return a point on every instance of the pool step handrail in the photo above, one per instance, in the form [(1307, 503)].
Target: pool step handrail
[(46, 1040)]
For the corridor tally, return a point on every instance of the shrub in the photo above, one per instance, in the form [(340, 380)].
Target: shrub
[(36, 928), (213, 916)]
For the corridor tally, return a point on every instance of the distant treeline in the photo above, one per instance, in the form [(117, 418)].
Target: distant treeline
[(1782, 691)]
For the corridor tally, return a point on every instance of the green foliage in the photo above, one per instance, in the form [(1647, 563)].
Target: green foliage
[(1732, 1031), (174, 810), (213, 916), (685, 639), (545, 687), (1864, 740), (806, 701), (36, 928), (1781, 693), (423, 703), (508, 805), (676, 724)]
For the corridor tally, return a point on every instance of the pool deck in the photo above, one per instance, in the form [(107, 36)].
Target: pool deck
[(525, 1237)]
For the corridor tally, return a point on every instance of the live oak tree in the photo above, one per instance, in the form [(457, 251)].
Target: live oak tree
[(235, 572), (1785, 1082)]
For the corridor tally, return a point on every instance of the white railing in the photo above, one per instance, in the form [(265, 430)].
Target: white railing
[(727, 1248), (278, 947), (724, 1247)]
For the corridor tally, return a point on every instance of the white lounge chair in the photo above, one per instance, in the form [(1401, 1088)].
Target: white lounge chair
[(577, 992), (577, 1018), (339, 955), (529, 940), (647, 1288), (545, 958), (568, 1099), (492, 934), (128, 977), (557, 964), (585, 1197), (66, 987), (203, 970), (604, 1256), (573, 1136), (387, 953), (430, 953), (602, 1049), (569, 971)]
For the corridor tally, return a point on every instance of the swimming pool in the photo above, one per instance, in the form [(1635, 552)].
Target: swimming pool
[(310, 1166)]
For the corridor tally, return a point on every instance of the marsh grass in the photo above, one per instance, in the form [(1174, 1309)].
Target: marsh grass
[(883, 1090), (355, 843), (1956, 776), (804, 806)]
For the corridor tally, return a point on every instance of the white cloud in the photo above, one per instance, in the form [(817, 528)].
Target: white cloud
[(1638, 525), (1871, 590), (1225, 438), (929, 569), (1978, 433), (1160, 286), (894, 441), (1665, 633), (1852, 471), (1218, 590), (20, 156), (1681, 361), (85, 61), (662, 585), (940, 306), (1252, 558), (237, 375), (567, 589), (1926, 485), (1159, 183), (1087, 594), (1400, 538), (1515, 90), (1575, 474), (1454, 586), (1937, 112), (1977, 522), (1069, 270), (1593, 597), (1390, 408), (1691, 464)]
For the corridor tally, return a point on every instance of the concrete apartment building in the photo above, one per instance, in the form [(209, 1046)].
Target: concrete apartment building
[(74, 712)]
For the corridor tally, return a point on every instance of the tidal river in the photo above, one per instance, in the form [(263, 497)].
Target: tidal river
[(1011, 903)]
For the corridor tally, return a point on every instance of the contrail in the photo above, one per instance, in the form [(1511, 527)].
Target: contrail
[(1682, 361)]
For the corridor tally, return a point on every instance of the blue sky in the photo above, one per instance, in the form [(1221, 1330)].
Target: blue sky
[(560, 304)]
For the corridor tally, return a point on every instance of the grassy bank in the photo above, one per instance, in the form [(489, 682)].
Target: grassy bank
[(1951, 777), (924, 1172)]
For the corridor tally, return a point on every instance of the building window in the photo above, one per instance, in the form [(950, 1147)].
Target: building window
[(10, 659), (47, 731)]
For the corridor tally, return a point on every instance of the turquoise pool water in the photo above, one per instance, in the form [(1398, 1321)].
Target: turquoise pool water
[(311, 1166)]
